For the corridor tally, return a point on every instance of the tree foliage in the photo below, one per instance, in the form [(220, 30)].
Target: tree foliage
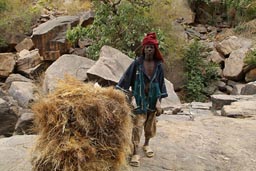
[(199, 73), (120, 24)]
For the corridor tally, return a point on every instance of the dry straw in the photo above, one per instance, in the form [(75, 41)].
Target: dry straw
[(82, 128)]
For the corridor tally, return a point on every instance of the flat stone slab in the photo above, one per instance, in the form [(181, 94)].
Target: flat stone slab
[(15, 153), (218, 101), (240, 109)]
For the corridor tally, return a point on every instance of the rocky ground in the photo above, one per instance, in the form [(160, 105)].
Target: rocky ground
[(209, 143), (204, 142)]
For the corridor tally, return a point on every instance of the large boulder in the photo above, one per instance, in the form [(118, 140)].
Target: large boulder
[(172, 101), (234, 65), (15, 153), (228, 45), (73, 65), (110, 67), (24, 92), (50, 39), (7, 63)]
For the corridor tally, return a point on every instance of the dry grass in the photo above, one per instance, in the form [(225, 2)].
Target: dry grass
[(247, 29), (82, 128)]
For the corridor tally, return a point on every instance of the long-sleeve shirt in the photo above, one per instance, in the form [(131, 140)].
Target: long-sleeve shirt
[(145, 90)]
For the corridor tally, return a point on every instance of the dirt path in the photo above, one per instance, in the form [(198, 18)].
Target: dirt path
[(210, 143)]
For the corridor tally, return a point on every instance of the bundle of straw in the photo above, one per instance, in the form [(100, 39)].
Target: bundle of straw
[(82, 128)]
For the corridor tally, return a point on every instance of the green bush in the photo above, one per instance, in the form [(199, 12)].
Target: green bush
[(122, 27), (199, 73), (250, 58)]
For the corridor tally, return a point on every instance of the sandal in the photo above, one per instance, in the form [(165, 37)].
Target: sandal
[(135, 160), (149, 152)]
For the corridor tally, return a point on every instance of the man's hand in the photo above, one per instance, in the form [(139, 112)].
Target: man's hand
[(159, 110)]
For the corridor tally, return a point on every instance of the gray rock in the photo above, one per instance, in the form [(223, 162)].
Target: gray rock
[(23, 92), (200, 105), (201, 29), (7, 63), (110, 67), (15, 77), (172, 101), (36, 72), (49, 37), (218, 92), (7, 119), (27, 43), (192, 33), (214, 56), (237, 89), (234, 65), (179, 145), (228, 45), (229, 89), (246, 43), (24, 124), (28, 60), (221, 85), (249, 89), (15, 153), (183, 10), (73, 65), (218, 101), (240, 109)]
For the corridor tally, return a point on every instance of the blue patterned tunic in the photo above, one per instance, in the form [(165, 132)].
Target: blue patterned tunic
[(145, 90)]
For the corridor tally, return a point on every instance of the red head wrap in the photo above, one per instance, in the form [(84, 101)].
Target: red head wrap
[(150, 38)]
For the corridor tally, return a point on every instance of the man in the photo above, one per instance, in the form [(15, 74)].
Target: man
[(146, 77)]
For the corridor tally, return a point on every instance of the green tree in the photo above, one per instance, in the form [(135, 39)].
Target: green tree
[(121, 25), (199, 73)]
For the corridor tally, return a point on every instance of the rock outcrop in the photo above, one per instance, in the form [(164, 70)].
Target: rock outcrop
[(72, 65), (7, 63), (50, 39)]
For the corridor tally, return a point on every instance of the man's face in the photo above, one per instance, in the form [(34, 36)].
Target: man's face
[(149, 51)]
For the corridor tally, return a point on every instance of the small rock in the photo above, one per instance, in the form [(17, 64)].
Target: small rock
[(27, 44)]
